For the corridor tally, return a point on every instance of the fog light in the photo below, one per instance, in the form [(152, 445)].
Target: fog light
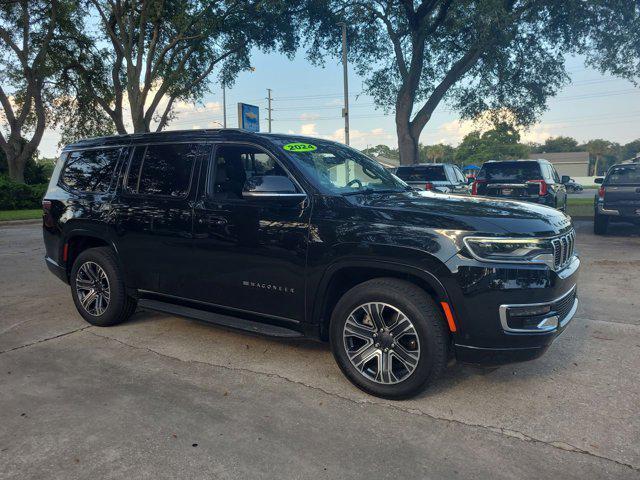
[(529, 311)]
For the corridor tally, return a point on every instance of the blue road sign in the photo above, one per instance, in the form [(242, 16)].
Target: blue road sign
[(249, 117)]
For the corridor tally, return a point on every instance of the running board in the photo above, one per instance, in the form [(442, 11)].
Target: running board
[(219, 319)]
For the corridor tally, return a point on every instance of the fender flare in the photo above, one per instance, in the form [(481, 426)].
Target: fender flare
[(427, 275)]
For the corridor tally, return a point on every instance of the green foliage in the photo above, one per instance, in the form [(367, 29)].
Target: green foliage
[(147, 56), (382, 150), (17, 196), (499, 143), (558, 144), (33, 172)]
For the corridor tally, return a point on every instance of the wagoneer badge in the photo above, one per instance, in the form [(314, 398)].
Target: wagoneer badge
[(267, 286)]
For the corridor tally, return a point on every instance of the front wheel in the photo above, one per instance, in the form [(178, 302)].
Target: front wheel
[(389, 338)]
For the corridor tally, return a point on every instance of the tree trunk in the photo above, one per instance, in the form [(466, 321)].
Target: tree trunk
[(16, 168), (407, 146)]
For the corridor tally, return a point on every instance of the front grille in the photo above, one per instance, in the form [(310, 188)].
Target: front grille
[(563, 249), (563, 306)]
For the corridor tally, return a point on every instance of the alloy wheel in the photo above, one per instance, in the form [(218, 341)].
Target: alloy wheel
[(92, 288), (381, 342)]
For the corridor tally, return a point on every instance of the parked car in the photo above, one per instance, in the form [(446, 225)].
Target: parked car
[(534, 181), (293, 236), (439, 177), (573, 187), (618, 198)]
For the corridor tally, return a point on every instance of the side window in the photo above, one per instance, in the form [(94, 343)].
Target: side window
[(90, 170), (459, 175), (162, 170), (237, 166), (554, 174)]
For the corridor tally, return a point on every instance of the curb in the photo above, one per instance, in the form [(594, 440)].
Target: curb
[(35, 221)]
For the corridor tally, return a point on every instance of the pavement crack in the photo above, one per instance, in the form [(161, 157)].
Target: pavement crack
[(557, 444), (44, 339)]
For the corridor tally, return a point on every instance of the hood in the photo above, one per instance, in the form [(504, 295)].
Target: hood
[(459, 212)]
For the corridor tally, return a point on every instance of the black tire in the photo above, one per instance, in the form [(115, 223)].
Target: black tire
[(600, 224), (425, 315), (120, 306)]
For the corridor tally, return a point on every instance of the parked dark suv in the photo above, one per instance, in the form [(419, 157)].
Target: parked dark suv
[(527, 180), (618, 198), (294, 236), (439, 177)]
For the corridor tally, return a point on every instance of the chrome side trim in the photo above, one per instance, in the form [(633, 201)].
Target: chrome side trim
[(502, 310)]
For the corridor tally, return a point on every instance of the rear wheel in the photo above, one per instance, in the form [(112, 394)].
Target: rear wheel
[(98, 290), (389, 338), (600, 224)]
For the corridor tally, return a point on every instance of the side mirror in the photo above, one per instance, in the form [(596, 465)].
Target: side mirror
[(598, 180), (565, 179), (270, 186)]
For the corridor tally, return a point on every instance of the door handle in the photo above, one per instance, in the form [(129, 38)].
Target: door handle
[(213, 221)]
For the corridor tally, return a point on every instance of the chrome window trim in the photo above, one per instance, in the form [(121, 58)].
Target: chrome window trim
[(545, 329)]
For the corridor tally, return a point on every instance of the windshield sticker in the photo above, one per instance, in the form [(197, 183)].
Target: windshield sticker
[(299, 147)]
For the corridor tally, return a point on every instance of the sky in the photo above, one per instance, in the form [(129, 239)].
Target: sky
[(308, 100)]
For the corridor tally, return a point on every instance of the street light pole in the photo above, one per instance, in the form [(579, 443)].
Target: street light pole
[(345, 109), (224, 106)]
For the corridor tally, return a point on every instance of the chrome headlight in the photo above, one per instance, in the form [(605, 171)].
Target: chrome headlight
[(511, 250)]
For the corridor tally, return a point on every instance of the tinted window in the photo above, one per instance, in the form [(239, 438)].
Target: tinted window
[(162, 169), (624, 174), (422, 173), (90, 170), (235, 164), (510, 171)]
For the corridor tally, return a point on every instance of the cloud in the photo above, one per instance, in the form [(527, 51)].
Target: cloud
[(454, 131), (308, 129), (309, 116)]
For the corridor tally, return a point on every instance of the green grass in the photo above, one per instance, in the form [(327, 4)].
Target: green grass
[(580, 207), (20, 214)]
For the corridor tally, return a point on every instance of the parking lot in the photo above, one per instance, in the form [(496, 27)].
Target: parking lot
[(166, 397)]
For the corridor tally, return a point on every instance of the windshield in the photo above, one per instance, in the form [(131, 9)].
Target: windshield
[(339, 169), (510, 172), (627, 174), (429, 173)]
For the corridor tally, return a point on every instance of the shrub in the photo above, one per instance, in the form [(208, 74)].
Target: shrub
[(18, 196)]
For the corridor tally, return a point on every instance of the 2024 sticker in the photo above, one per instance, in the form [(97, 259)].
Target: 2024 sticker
[(299, 147)]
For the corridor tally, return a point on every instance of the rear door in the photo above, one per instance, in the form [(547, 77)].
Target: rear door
[(622, 189), (153, 215)]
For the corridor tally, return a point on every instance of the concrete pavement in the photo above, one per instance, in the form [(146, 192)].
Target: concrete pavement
[(165, 397)]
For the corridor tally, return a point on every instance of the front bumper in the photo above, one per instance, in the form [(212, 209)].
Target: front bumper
[(482, 296)]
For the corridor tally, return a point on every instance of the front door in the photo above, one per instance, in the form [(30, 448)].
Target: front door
[(251, 250)]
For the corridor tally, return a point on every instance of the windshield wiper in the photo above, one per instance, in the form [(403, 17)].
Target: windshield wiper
[(369, 190)]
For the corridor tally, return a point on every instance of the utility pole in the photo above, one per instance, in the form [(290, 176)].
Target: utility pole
[(269, 109), (345, 109), (224, 106)]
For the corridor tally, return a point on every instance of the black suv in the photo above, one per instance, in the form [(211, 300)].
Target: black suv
[(292, 236), (527, 180), (439, 177), (618, 198)]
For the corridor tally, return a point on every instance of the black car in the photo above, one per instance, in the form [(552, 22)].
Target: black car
[(293, 236), (534, 181), (439, 177), (618, 198), (572, 186)]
